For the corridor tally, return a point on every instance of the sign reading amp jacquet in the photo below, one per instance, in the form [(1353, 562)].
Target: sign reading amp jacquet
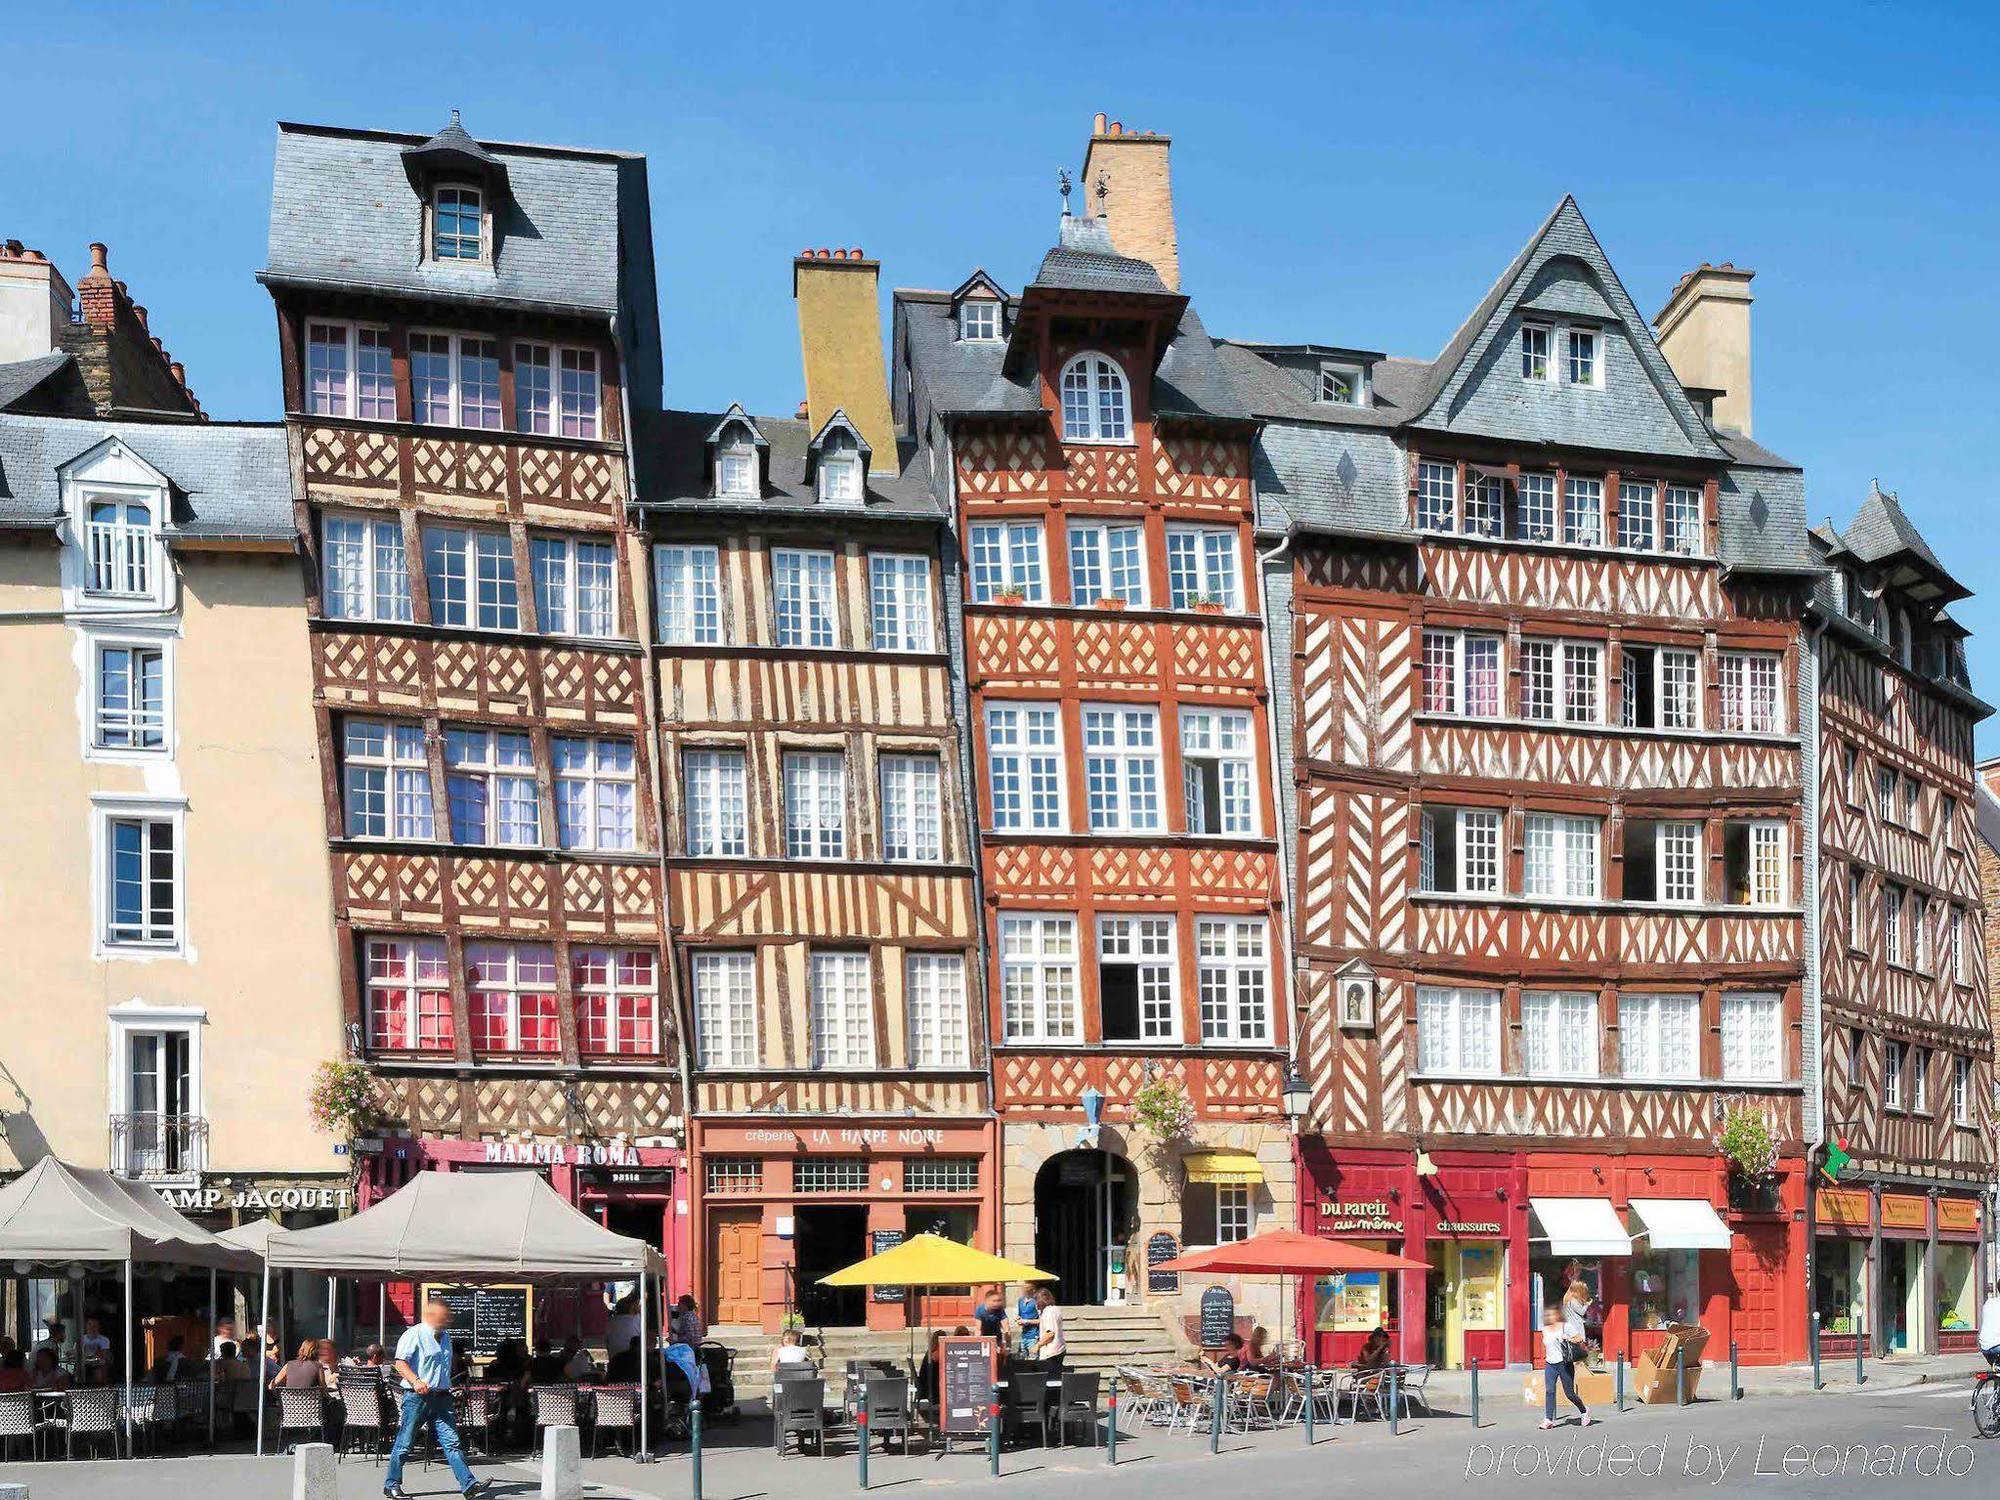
[(260, 1199), (1373, 1216)]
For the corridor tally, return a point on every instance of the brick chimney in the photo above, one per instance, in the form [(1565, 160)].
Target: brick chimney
[(1704, 331), (1137, 196), (840, 334), (124, 365)]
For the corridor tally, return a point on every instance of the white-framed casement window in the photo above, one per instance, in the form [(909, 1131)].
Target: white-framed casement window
[(1024, 766), (1007, 561), (158, 1123), (364, 568), (1218, 772), (1580, 349), (1583, 511), (1948, 820), (1342, 385), (934, 1008), (131, 696), (1121, 768), (1458, 1030), (1535, 508), (1560, 856), (1885, 793), (1201, 567), (350, 372), (1485, 504), (471, 578), (408, 995), (1437, 496), (557, 391), (1961, 1090), (1537, 342), (979, 319), (1095, 405), (1637, 501), (1754, 861), (1233, 975), (899, 601), (1459, 851), (1752, 1038), (1920, 1080), (838, 470), (1912, 802), (457, 212), (1677, 863), (687, 589), (1038, 986), (597, 793), (1892, 1074), (1680, 519), (804, 596), (1559, 1033), (1107, 560), (815, 804), (455, 380), (386, 780), (510, 1001), (1748, 684), (576, 586), (714, 802), (1857, 910), (617, 1001), (1920, 932), (843, 1020), (1680, 689), (1892, 924), (1461, 673), (490, 791), (121, 545), (1562, 681), (737, 474), (912, 808), (1586, 365), (725, 1008), (1136, 991), (1958, 956), (1658, 1037), (141, 876)]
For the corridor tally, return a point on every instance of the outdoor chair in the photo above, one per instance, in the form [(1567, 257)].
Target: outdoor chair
[(799, 1410), (1028, 1399), (245, 1398), (301, 1410), (617, 1414), (555, 1406), (475, 1419), (885, 1401), (1078, 1407), (1367, 1392), (191, 1407), (361, 1399), (141, 1415), (1410, 1384), (17, 1423), (1190, 1404), (1247, 1403), (93, 1417)]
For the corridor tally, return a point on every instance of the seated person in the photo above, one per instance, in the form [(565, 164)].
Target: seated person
[(1229, 1358), (1374, 1353), (302, 1371), (173, 1364), (791, 1350), (623, 1367), (927, 1370), (576, 1362), (13, 1372), (546, 1368), (47, 1374), (228, 1364), (1259, 1355)]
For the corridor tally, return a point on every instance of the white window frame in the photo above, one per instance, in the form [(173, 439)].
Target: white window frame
[(1566, 661), (460, 546), (1040, 979), (170, 940), (128, 1022), (715, 801), (1107, 560), (687, 594), (1096, 400), (1451, 652), (1122, 763), (1682, 532), (411, 955), (136, 720), (508, 986), (381, 588), (1642, 1018), (122, 560), (738, 473), (1739, 708), (615, 999), (1920, 1080), (1582, 510), (564, 602), (1538, 360), (1458, 1031), (1226, 738), (460, 409), (1203, 566), (1678, 861), (979, 320), (558, 390), (899, 602), (1752, 1055), (815, 804), (934, 1010), (1233, 980), (1958, 953), (1893, 953), (1027, 772), (1765, 861), (1583, 348), (725, 1020), (1961, 1091), (911, 786), (1150, 944), (1537, 508), (1006, 557), (398, 778), (502, 780), (1436, 496), (1485, 504), (1559, 1034), (1894, 1054), (1638, 500), (599, 784), (837, 476), (1560, 872), (1488, 824), (840, 1002), (342, 394), (805, 611), (1331, 373), (466, 192)]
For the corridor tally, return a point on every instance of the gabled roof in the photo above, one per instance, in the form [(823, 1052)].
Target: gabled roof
[(37, 384), (1083, 261), (1882, 536), (838, 422), (978, 279), (673, 470), (736, 414)]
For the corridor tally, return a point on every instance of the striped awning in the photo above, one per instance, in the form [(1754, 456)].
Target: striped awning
[(1222, 1166)]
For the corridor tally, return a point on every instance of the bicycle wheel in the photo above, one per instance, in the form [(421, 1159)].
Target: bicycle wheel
[(1986, 1408)]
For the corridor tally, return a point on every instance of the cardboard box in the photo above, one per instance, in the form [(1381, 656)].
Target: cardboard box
[(1654, 1379), (1593, 1388)]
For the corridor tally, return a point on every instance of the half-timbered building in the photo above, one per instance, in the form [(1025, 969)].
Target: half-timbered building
[(1097, 464), (1543, 722), (818, 857), (461, 325), (1906, 1043)]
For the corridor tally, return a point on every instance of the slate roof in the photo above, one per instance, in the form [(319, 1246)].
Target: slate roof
[(671, 459), (958, 375), (344, 213), (1881, 529), (1986, 815), (231, 480), (22, 378), (1083, 260)]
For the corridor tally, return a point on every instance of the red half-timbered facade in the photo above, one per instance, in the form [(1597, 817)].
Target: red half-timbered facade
[(454, 390), (1906, 1039)]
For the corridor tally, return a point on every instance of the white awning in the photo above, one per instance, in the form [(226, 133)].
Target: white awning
[(1578, 1226), (1681, 1224)]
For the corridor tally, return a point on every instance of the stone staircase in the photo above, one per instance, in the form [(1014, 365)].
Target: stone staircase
[(1102, 1338)]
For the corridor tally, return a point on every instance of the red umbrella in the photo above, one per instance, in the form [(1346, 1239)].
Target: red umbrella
[(1287, 1252)]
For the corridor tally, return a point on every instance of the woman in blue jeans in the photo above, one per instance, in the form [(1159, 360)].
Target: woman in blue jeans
[(1557, 1366)]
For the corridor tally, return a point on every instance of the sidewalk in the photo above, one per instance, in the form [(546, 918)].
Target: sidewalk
[(1452, 1388)]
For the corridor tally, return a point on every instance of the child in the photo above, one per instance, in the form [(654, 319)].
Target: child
[(1556, 1366)]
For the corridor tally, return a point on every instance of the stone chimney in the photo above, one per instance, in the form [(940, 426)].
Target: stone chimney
[(124, 364), (1137, 194), (34, 303), (840, 333), (1704, 331)]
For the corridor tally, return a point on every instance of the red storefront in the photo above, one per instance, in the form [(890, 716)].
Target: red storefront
[(1656, 1237)]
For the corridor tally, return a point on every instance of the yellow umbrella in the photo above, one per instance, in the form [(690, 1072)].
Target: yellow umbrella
[(932, 1260)]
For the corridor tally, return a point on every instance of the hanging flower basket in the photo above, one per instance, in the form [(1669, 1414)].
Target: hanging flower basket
[(1163, 1110), (1746, 1143), (342, 1099)]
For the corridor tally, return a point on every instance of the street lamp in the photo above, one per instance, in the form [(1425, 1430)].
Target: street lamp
[(1297, 1094)]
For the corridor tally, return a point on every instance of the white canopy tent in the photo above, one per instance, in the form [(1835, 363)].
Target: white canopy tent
[(473, 1227), (57, 1215)]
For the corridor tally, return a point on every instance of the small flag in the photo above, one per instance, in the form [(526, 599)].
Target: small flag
[(1836, 1159)]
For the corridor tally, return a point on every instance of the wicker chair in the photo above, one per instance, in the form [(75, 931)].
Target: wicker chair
[(17, 1423), (617, 1413), (93, 1417), (301, 1409), (555, 1406), (476, 1419), (361, 1402)]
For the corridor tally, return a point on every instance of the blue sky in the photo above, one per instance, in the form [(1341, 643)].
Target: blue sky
[(1350, 176)]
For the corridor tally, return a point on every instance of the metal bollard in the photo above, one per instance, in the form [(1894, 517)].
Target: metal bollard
[(1860, 1354), (1819, 1382), (1473, 1365), (861, 1442), (694, 1444), (1621, 1380), (1215, 1415), (1111, 1428), (1312, 1399), (1680, 1375), (993, 1433), (1395, 1401), (1735, 1374)]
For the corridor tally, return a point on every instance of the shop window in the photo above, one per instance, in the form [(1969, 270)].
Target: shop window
[(1957, 1288), (735, 1174), (941, 1174), (1840, 1284), (830, 1174), (1358, 1302), (1215, 1213), (1665, 1288)]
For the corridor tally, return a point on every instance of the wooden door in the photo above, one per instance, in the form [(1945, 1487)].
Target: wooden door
[(736, 1265)]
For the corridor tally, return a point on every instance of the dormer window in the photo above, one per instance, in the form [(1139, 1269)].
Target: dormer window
[(1553, 352), (1341, 385), (119, 537), (456, 223), (736, 467), (1583, 356), (840, 469), (979, 319), (1095, 408)]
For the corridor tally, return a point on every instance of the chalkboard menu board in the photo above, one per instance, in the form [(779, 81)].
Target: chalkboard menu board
[(965, 1383), (878, 1241), (1162, 1247), (1218, 1316), (483, 1317)]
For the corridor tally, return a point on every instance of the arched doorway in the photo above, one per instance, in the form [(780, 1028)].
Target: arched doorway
[(1085, 1202)]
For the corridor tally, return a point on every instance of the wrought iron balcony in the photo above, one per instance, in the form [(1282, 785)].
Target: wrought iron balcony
[(159, 1148)]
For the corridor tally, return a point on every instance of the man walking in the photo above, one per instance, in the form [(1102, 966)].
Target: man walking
[(423, 1363)]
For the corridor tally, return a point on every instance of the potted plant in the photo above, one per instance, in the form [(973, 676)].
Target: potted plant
[(341, 1101), (1747, 1144), (1208, 604), (1111, 601), (1010, 593)]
